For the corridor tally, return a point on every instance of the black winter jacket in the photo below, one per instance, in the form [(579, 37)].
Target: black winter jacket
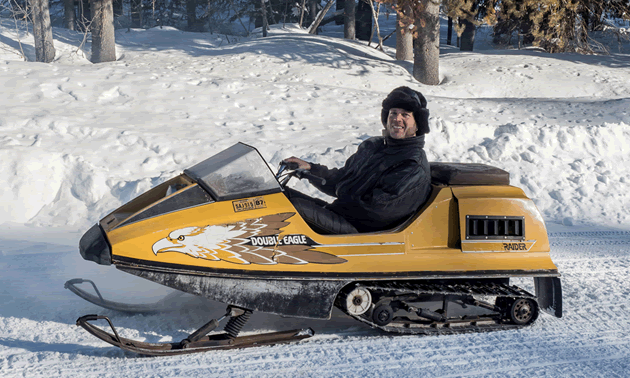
[(384, 182)]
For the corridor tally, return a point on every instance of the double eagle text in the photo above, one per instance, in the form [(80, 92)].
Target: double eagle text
[(266, 241)]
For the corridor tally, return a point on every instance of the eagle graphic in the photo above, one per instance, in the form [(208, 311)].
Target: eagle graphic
[(231, 243)]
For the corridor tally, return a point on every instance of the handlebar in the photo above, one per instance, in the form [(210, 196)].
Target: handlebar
[(297, 172), (303, 173)]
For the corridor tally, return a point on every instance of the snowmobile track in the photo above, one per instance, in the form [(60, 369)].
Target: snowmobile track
[(451, 326)]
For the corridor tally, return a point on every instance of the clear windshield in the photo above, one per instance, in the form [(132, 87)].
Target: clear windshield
[(236, 172)]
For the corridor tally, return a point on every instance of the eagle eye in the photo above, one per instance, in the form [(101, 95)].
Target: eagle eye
[(180, 238)]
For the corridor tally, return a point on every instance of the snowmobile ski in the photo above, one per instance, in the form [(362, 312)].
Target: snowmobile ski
[(197, 341)]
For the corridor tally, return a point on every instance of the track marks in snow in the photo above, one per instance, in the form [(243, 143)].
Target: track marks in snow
[(55, 91), (592, 339)]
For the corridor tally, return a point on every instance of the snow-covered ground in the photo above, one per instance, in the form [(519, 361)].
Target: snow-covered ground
[(77, 140)]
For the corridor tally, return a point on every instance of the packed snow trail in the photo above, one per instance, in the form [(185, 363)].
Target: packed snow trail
[(38, 337)]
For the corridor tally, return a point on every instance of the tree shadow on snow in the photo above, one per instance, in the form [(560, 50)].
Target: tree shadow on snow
[(287, 48), (613, 60), (19, 46)]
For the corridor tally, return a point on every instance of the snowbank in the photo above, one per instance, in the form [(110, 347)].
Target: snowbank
[(77, 139)]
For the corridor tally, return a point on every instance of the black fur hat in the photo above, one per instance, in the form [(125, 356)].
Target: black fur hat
[(410, 100)]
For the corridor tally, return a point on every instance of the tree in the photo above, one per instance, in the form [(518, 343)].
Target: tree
[(265, 25), (554, 25), (136, 13), (68, 14), (427, 43), (339, 5), (363, 20), (85, 16), (118, 8), (191, 14), (320, 16), (42, 31), (404, 36), (469, 14), (563, 25), (102, 28), (421, 19), (467, 34), (449, 31), (349, 20)]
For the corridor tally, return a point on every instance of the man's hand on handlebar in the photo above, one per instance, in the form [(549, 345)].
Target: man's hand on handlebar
[(301, 163), (299, 168)]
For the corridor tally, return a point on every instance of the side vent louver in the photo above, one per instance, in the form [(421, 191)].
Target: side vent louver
[(485, 227)]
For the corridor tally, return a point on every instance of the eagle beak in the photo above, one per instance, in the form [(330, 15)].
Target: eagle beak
[(165, 245)]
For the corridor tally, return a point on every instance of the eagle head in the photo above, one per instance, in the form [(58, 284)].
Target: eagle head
[(200, 242)]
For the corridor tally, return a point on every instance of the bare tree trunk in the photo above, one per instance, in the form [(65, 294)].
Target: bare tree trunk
[(136, 13), (349, 20), (312, 11), (468, 35), (404, 38), (302, 13), (68, 14), (102, 27), (85, 16), (118, 8), (426, 63), (339, 6), (42, 31), (264, 17), (363, 21), (320, 16), (449, 32), (191, 14), (271, 14), (375, 14)]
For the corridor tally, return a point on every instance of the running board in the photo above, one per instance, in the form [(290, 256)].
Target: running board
[(202, 344)]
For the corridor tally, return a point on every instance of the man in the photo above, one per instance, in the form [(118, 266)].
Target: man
[(383, 183)]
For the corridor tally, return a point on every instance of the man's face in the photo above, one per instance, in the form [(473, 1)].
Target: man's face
[(401, 124)]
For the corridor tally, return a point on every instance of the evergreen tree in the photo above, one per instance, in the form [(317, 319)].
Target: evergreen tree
[(555, 25)]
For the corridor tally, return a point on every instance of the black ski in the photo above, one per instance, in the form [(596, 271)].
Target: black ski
[(195, 342)]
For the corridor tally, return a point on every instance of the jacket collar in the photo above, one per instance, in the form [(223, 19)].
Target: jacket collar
[(413, 141)]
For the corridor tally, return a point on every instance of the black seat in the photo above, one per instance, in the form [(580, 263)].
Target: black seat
[(468, 174)]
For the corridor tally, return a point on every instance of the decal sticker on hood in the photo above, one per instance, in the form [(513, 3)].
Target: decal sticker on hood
[(252, 241), (249, 204)]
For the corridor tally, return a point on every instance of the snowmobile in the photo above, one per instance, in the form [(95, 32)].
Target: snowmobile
[(225, 229)]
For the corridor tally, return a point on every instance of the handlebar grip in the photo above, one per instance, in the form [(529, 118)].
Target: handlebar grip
[(310, 176), (291, 165)]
